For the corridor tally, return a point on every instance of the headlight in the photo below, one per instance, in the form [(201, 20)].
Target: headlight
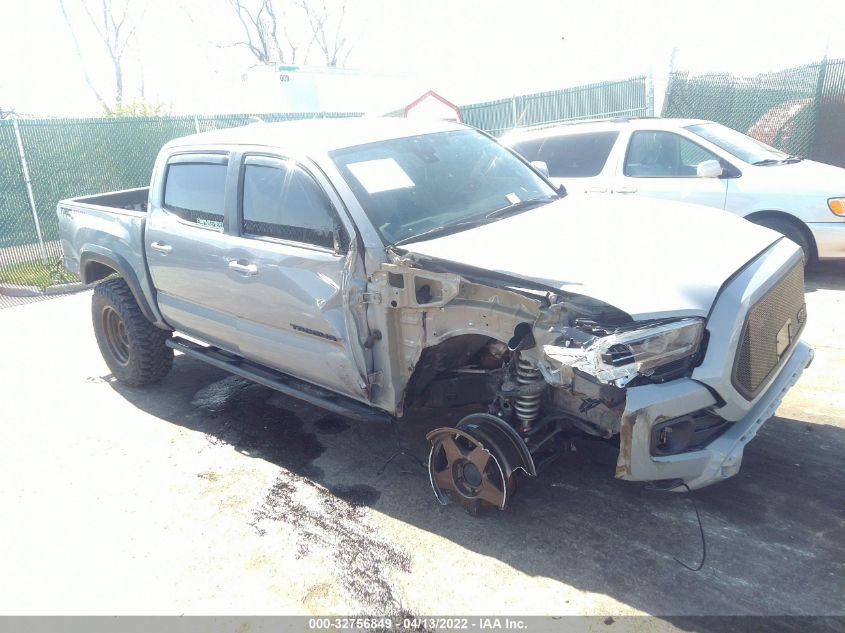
[(620, 357), (837, 206)]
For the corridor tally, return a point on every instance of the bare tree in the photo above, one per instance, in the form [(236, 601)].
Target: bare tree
[(116, 30), (326, 24), (260, 24), (265, 26)]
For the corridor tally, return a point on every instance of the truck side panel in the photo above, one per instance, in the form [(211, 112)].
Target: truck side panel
[(98, 240)]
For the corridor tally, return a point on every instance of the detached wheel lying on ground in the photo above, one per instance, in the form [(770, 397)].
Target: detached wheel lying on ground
[(475, 463), (134, 349), (461, 467)]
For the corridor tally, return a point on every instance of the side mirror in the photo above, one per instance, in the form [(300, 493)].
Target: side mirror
[(709, 169), (541, 167)]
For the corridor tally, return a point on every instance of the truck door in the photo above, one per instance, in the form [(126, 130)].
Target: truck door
[(186, 247), (288, 278), (662, 164)]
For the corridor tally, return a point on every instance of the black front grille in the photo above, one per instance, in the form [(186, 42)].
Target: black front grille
[(771, 330)]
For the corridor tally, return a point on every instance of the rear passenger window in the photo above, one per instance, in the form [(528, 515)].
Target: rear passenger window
[(570, 156), (284, 202), (194, 192)]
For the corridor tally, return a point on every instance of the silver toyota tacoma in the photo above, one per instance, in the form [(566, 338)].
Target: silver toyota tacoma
[(369, 266)]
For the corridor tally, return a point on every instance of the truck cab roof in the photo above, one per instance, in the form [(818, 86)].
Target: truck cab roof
[(317, 135)]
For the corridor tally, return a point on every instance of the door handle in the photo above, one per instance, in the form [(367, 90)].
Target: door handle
[(626, 190), (246, 269), (597, 190), (161, 247)]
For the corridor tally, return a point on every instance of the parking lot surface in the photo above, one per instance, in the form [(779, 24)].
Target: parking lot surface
[(208, 494)]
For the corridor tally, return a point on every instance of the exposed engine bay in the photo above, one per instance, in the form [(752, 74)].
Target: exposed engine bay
[(548, 369)]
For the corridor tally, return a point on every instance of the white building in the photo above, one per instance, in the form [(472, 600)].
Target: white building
[(286, 88)]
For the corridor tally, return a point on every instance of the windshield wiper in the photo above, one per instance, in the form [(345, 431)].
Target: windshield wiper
[(440, 231), (782, 161), (522, 205), (492, 216)]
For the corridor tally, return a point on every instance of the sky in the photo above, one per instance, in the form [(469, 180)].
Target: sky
[(468, 50)]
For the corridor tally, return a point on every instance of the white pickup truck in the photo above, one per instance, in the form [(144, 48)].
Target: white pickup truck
[(370, 266)]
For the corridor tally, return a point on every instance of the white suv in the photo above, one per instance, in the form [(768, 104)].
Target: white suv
[(700, 162)]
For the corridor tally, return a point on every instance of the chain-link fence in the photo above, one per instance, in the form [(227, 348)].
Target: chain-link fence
[(628, 97), (45, 160), (799, 110)]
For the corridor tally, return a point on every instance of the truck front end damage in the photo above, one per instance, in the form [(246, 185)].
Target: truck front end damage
[(675, 399)]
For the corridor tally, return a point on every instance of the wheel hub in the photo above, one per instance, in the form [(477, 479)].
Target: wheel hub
[(467, 469), (116, 336), (471, 475)]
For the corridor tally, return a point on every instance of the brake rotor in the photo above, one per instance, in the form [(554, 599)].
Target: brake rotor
[(470, 469)]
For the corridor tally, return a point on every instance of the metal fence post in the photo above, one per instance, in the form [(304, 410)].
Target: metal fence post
[(28, 182), (650, 93), (196, 124)]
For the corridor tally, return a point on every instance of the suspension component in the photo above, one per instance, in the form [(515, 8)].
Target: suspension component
[(527, 407)]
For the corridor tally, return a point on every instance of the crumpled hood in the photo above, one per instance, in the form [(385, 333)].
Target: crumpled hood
[(649, 258)]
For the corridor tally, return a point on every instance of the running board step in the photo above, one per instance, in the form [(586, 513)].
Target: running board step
[(281, 382)]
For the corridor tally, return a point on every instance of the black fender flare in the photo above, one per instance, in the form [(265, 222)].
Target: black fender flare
[(125, 271)]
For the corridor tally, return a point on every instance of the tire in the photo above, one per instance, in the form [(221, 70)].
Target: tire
[(134, 349), (793, 232)]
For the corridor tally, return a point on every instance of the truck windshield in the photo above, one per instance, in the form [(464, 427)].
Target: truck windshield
[(417, 186), (743, 147)]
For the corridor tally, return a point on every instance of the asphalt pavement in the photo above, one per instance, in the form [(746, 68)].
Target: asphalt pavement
[(208, 494)]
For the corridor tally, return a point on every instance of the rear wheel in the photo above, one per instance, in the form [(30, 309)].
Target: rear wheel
[(792, 231), (134, 349)]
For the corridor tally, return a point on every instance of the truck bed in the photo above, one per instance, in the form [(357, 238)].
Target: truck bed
[(126, 200), (104, 233)]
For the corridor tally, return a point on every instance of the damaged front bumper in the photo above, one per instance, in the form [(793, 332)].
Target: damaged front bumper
[(649, 405)]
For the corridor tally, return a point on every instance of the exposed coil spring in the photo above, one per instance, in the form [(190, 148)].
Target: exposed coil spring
[(527, 407)]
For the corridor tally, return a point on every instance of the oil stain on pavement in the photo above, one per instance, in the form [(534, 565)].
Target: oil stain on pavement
[(329, 517), (323, 520)]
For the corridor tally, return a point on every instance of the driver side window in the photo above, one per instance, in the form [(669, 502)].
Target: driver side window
[(281, 201), (660, 154)]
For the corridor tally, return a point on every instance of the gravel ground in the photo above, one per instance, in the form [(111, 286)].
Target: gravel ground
[(208, 494)]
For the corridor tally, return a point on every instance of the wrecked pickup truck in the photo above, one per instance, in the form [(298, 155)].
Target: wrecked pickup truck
[(369, 266)]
